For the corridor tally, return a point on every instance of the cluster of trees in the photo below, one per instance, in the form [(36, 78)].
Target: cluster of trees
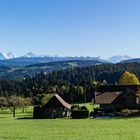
[(14, 102), (73, 84)]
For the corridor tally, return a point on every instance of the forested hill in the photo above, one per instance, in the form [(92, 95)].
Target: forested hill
[(71, 83), (131, 60), (108, 72), (95, 69), (74, 84), (18, 73)]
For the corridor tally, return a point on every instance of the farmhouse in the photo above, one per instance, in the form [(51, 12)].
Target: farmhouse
[(116, 98), (55, 107)]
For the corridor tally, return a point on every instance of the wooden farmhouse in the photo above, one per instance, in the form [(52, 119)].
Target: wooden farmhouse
[(55, 107), (116, 98)]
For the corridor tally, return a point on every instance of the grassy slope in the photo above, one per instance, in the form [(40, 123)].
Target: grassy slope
[(68, 129)]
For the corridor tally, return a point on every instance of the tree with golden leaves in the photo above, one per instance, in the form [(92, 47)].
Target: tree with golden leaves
[(128, 78)]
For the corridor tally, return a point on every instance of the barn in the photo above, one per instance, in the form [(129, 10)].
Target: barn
[(55, 107), (116, 101), (116, 98)]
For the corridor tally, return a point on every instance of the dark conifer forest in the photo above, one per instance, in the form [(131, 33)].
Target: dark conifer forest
[(73, 84)]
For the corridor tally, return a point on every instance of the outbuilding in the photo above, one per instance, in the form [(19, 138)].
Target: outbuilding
[(55, 107), (117, 98)]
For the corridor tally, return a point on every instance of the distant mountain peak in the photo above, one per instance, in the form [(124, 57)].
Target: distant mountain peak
[(9, 55), (30, 54), (2, 57), (118, 58)]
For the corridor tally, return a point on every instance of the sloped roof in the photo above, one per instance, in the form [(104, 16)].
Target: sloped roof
[(106, 97), (115, 88), (62, 101)]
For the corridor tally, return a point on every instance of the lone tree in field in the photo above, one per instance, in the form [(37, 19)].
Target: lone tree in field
[(128, 78), (15, 102)]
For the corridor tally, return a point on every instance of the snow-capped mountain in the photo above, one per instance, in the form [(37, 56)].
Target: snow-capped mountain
[(9, 55), (2, 56), (118, 58), (113, 59), (30, 54)]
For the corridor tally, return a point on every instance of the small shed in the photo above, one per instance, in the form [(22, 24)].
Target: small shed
[(55, 107)]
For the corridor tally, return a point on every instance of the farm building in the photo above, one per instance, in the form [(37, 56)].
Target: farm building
[(116, 98), (55, 107)]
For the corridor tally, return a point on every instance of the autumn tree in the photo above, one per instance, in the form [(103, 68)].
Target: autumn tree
[(128, 78)]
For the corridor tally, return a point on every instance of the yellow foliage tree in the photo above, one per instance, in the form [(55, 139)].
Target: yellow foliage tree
[(128, 78)]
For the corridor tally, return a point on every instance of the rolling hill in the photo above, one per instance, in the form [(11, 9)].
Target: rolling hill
[(18, 72), (131, 60)]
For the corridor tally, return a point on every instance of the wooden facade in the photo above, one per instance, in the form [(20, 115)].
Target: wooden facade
[(56, 107), (114, 100)]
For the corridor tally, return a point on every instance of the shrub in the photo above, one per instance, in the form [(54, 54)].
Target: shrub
[(79, 112)]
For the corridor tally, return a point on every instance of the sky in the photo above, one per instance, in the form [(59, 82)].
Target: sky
[(70, 27)]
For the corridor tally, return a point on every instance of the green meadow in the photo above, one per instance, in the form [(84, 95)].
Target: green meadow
[(23, 127)]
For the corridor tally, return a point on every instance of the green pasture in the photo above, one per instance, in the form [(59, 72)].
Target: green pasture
[(23, 127)]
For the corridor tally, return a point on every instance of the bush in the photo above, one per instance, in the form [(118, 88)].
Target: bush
[(79, 112)]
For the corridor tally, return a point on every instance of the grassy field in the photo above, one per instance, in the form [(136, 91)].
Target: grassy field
[(67, 129)]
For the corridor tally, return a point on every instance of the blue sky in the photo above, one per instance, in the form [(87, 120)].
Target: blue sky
[(70, 27)]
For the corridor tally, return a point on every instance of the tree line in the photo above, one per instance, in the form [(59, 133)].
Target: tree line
[(73, 84)]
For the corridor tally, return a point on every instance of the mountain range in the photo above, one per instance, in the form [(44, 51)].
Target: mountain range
[(119, 58), (30, 57), (12, 67)]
